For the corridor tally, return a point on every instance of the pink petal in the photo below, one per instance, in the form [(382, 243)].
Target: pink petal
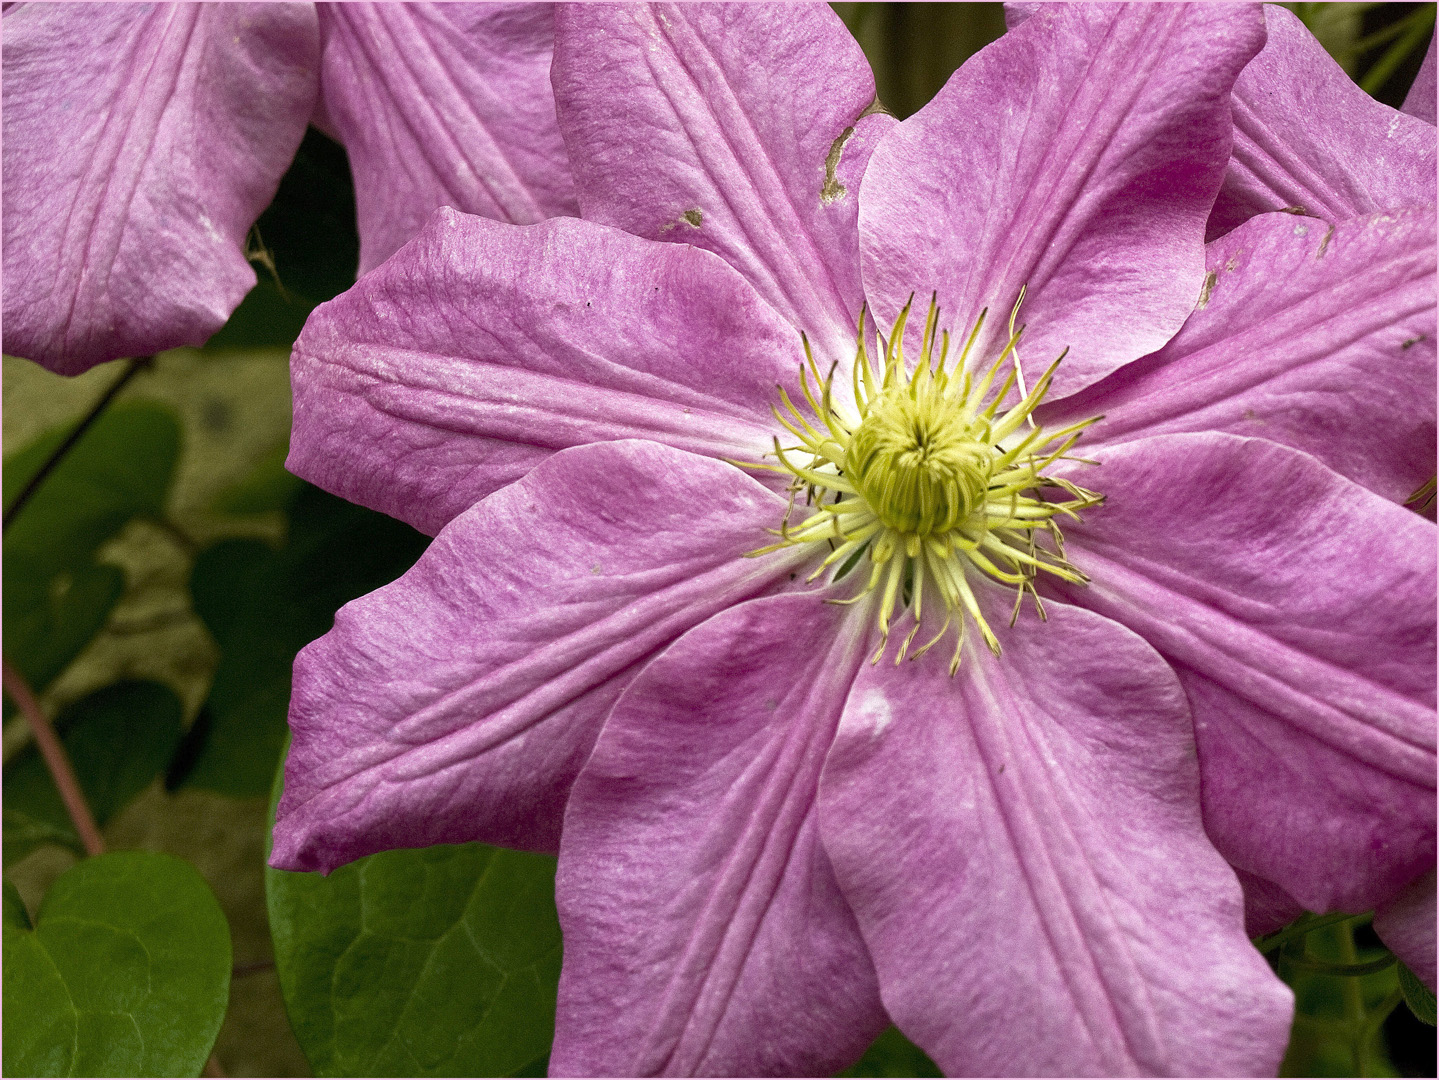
[(1307, 138), (443, 105), (459, 702), (704, 933), (1024, 841), (1298, 610), (1317, 337), (141, 142), (738, 128), (1406, 925), (1420, 99), (1016, 13), (1079, 154), (481, 348), (1267, 907)]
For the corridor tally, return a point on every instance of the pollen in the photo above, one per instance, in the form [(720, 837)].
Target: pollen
[(929, 478)]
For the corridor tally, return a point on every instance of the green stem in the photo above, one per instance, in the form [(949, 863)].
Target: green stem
[(1298, 929), (65, 447), (1351, 971), (1353, 995), (1381, 1013)]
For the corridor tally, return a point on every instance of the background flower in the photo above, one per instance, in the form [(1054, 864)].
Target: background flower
[(176, 121), (135, 162)]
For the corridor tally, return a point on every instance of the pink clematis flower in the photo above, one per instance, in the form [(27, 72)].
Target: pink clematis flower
[(776, 833), (141, 142)]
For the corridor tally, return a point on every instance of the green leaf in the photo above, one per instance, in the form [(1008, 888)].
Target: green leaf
[(1419, 997), (43, 635), (126, 972), (56, 597), (15, 914), (121, 467), (244, 595), (893, 1055), (262, 606), (268, 317), (439, 961), (915, 48), (119, 739)]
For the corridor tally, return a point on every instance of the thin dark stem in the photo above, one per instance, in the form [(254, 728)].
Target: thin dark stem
[(56, 760), (65, 447)]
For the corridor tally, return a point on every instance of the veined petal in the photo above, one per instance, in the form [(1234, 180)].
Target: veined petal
[(704, 932), (1307, 139), (141, 142), (481, 348), (1298, 611), (459, 702), (1420, 101), (739, 128), (1025, 840), (443, 105), (1078, 155), (1317, 337), (1406, 925)]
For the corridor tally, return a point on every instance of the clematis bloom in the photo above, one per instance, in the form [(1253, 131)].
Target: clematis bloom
[(776, 830), (142, 142)]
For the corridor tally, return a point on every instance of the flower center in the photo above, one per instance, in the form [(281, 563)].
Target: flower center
[(916, 464), (930, 479)]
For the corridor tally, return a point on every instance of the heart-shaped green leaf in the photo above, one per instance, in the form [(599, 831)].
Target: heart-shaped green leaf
[(440, 961), (126, 971)]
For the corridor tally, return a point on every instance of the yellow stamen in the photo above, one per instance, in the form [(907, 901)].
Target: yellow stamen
[(920, 480)]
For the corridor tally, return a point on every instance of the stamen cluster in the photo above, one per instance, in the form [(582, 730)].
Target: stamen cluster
[(926, 475)]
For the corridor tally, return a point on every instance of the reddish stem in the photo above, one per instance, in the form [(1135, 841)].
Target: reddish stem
[(53, 751), (56, 760)]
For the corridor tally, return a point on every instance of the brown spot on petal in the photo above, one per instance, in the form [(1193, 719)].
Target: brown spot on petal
[(832, 190), (1206, 289), (693, 218)]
